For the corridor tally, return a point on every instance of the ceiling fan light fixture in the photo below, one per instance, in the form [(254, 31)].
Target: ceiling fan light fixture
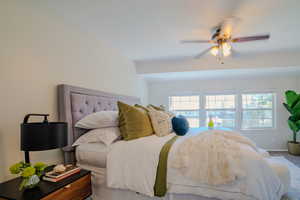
[(226, 49), (214, 50), (226, 52), (222, 40)]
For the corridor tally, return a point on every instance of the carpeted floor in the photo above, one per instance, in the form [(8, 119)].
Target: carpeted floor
[(294, 165), (293, 159)]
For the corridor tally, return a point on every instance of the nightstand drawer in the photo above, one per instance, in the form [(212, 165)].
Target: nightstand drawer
[(77, 190)]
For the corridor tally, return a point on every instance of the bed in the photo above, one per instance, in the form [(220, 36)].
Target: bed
[(76, 103)]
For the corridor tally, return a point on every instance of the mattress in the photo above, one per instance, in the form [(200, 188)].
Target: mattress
[(92, 154)]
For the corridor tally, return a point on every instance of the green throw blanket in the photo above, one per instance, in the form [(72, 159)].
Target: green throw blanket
[(160, 187)]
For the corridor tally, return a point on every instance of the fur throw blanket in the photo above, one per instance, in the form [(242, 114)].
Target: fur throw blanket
[(219, 157)]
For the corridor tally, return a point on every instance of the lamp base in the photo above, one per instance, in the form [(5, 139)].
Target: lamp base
[(27, 159)]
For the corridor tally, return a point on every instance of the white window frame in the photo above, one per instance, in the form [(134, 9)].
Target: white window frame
[(238, 107), (184, 95), (274, 103), (220, 109)]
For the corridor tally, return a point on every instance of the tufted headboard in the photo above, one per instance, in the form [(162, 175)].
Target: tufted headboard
[(74, 103)]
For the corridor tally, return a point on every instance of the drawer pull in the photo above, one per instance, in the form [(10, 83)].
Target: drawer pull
[(68, 186)]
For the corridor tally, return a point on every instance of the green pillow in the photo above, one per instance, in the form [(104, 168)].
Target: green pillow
[(134, 122)]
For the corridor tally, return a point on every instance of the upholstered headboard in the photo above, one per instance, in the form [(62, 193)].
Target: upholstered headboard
[(74, 103)]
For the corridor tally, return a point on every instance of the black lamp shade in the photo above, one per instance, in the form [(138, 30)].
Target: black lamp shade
[(43, 136)]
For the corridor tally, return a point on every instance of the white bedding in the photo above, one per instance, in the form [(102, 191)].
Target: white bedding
[(92, 154), (139, 160), (102, 192)]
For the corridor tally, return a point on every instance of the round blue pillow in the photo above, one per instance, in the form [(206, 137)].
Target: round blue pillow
[(180, 125)]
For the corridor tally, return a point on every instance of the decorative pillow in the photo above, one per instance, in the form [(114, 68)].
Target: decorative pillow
[(161, 108), (180, 125), (142, 107), (161, 122), (100, 119), (104, 135), (134, 122)]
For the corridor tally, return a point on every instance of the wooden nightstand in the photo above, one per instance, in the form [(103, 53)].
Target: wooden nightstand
[(75, 187)]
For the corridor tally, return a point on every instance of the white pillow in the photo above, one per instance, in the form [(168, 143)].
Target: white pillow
[(104, 135), (100, 119)]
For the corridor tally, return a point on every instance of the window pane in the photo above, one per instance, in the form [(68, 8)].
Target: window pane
[(257, 119), (192, 117), (193, 122), (184, 103), (222, 118), (192, 114), (254, 101), (220, 101)]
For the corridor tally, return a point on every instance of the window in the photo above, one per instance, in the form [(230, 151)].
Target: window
[(222, 110), (257, 111), (187, 106), (246, 111)]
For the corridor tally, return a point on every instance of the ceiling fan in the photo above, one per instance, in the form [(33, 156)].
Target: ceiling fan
[(222, 40)]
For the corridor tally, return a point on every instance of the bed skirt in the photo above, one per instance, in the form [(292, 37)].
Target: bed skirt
[(102, 192)]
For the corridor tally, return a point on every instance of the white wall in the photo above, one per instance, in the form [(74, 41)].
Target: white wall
[(39, 51), (272, 139), (143, 90)]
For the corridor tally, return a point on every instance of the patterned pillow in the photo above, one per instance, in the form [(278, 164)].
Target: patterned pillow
[(161, 108), (161, 122)]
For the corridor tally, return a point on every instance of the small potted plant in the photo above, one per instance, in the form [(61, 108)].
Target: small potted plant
[(293, 106), (30, 174)]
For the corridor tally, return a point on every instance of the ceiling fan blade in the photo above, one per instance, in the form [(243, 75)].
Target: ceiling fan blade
[(196, 41), (203, 53), (251, 38)]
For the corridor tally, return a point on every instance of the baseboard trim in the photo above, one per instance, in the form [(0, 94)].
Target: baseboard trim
[(276, 149)]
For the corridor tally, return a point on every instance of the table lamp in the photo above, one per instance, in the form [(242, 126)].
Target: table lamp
[(40, 136)]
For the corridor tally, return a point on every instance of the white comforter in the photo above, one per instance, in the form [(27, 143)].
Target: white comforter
[(132, 165)]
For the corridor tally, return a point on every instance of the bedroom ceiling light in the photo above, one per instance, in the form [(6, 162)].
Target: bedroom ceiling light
[(226, 48), (222, 40), (223, 48), (214, 51)]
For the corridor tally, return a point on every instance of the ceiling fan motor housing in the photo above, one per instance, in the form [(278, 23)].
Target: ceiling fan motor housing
[(216, 33)]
